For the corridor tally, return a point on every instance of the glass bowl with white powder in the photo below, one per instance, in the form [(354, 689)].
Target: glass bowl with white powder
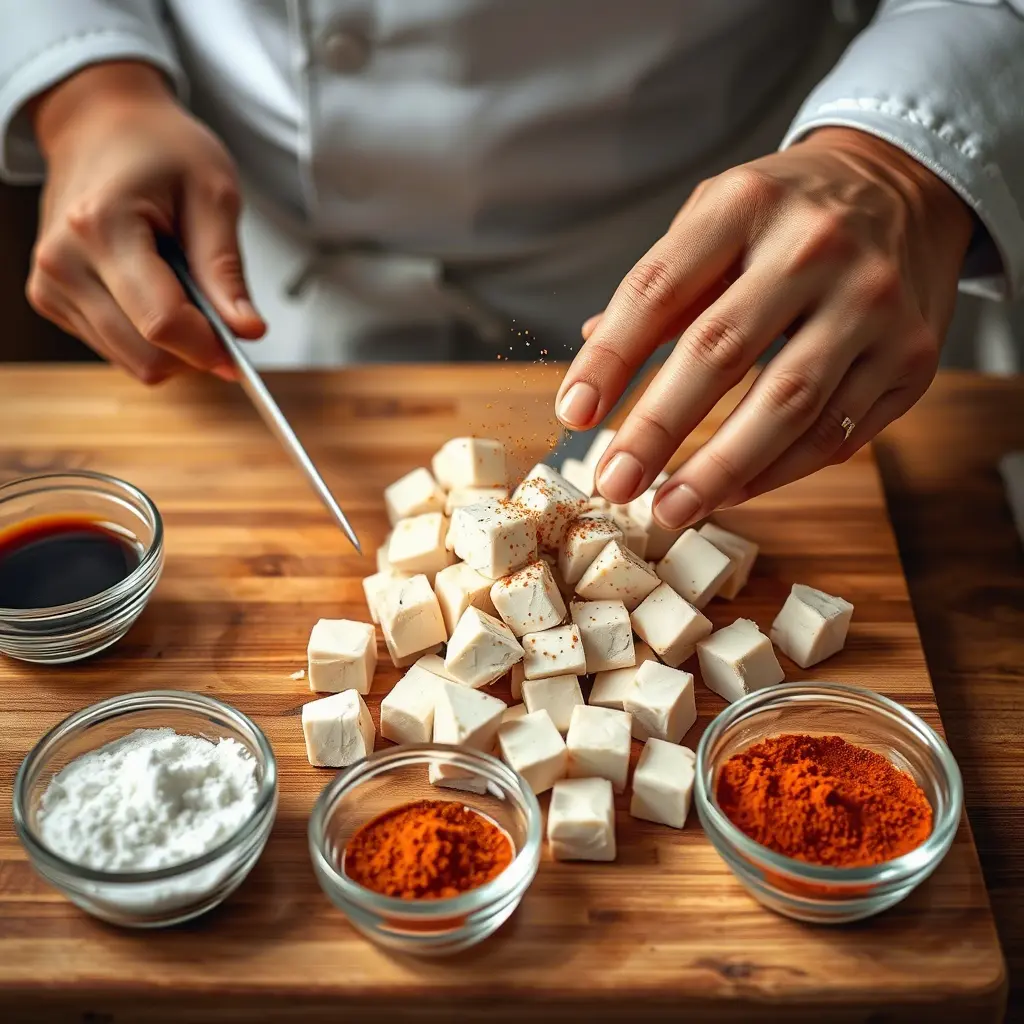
[(148, 809)]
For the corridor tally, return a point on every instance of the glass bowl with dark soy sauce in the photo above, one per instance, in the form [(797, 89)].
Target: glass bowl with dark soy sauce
[(80, 554)]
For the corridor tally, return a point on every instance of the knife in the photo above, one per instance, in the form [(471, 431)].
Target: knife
[(253, 386)]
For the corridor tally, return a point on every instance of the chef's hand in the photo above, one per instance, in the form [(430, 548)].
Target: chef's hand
[(125, 162), (844, 243)]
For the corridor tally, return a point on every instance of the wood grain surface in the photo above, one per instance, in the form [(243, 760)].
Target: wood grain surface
[(252, 561)]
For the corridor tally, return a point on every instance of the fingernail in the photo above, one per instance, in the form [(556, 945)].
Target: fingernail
[(678, 508), (578, 404), (243, 307), (621, 477)]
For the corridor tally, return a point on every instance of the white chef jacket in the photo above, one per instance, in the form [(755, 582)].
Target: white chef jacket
[(500, 165)]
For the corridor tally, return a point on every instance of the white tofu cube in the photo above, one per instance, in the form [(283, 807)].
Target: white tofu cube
[(598, 447), (374, 587), (465, 717), (463, 496), (458, 587), (338, 730), (470, 462), (410, 617), (584, 539), (517, 675), (434, 664), (659, 539), (532, 746), (553, 500), (407, 712), (512, 713), (610, 688), (494, 537), (417, 545), (617, 574), (581, 820), (694, 568), (606, 633), (742, 554), (599, 742), (481, 649), (670, 625), (412, 495), (663, 783), (449, 777), (557, 695), (737, 660), (554, 652), (405, 660), (342, 656), (811, 625), (383, 565), (634, 536), (528, 600), (580, 475), (661, 702)]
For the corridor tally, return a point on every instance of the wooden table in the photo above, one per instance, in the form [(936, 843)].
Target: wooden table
[(252, 562)]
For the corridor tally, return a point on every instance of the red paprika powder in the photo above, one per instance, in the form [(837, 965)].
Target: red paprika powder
[(427, 850), (823, 800)]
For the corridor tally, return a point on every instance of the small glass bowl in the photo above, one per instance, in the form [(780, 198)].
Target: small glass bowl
[(147, 899), (811, 892), (71, 632), (397, 776)]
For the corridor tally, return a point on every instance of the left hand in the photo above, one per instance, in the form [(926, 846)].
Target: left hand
[(844, 242)]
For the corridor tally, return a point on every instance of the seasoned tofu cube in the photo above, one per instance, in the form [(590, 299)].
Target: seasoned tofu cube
[(463, 496), (580, 475), (342, 656), (812, 625), (552, 500), (417, 545), (634, 536), (465, 717), (737, 660), (374, 587), (531, 745), (557, 695), (495, 537), (670, 625), (528, 600), (457, 587), (694, 568), (610, 688), (581, 820), (338, 730), (410, 617), (606, 633), (598, 447), (617, 575), (599, 742), (742, 554), (663, 783), (554, 652), (407, 712), (584, 539), (481, 650), (659, 538), (470, 462), (661, 702), (412, 495)]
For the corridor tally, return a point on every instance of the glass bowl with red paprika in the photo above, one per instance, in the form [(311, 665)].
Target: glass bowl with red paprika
[(80, 555), (830, 803), (426, 849)]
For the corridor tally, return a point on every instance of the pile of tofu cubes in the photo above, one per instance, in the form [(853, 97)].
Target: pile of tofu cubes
[(541, 588)]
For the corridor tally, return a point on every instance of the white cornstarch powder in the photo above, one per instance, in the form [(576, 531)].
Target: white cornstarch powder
[(150, 800)]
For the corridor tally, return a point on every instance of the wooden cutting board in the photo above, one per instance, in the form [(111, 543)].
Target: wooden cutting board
[(252, 561)]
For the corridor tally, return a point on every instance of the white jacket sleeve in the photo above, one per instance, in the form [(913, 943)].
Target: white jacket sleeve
[(944, 81), (44, 41)]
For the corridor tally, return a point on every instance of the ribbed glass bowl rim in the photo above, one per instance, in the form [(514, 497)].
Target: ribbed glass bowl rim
[(843, 694), (127, 587), (511, 879), (114, 707)]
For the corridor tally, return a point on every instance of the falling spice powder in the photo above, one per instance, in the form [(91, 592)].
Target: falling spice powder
[(427, 850), (822, 800)]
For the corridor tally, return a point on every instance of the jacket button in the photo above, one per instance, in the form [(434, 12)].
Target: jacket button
[(345, 52)]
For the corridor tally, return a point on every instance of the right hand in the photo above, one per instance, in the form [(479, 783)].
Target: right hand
[(126, 162)]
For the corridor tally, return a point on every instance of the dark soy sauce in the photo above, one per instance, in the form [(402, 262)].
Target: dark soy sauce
[(60, 559)]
